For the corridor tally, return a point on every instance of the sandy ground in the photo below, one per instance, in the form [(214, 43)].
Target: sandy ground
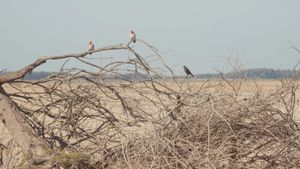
[(246, 88)]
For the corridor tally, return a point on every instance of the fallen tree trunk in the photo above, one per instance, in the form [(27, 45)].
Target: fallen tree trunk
[(13, 119), (34, 148)]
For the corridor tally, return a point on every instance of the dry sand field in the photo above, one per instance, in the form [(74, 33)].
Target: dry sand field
[(246, 88)]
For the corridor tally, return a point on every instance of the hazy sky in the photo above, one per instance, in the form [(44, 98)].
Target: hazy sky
[(198, 33)]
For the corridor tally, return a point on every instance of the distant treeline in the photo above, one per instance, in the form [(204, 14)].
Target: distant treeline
[(258, 73), (38, 75)]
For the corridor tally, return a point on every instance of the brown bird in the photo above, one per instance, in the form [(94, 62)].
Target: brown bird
[(91, 46), (187, 71), (132, 36)]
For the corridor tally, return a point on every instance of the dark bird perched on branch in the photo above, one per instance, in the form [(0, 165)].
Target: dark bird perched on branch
[(132, 36), (91, 46), (187, 71)]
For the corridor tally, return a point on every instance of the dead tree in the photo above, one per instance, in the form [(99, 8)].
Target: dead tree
[(55, 111), (133, 113)]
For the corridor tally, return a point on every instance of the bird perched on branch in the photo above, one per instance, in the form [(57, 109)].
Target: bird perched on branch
[(91, 46), (187, 71), (132, 36)]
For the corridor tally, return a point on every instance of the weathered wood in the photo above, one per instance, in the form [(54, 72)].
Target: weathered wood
[(9, 77), (14, 121)]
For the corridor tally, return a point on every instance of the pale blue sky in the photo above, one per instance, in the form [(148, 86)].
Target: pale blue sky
[(198, 33)]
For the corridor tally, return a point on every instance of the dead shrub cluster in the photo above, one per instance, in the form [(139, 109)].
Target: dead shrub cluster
[(222, 130)]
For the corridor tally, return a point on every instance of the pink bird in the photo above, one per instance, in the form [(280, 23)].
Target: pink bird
[(132, 36), (91, 46)]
